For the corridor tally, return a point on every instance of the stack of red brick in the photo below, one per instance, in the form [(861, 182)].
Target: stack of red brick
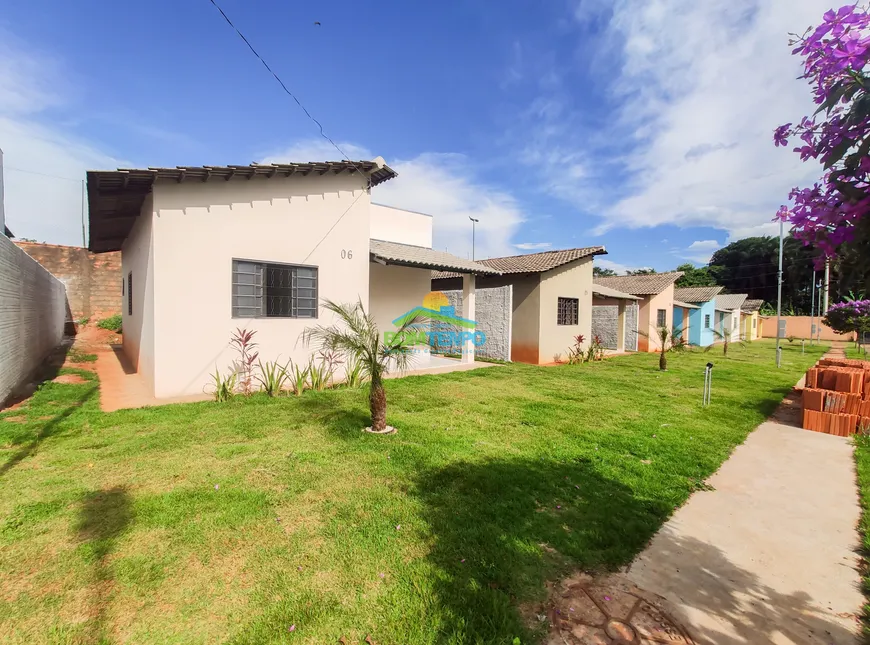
[(836, 398)]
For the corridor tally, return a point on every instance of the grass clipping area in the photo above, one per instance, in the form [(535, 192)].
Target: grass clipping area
[(277, 521)]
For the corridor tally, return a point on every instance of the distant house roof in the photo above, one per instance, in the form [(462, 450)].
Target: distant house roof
[(730, 301), (685, 305), (115, 197), (641, 285), (424, 258), (533, 262), (607, 292), (752, 305), (696, 294)]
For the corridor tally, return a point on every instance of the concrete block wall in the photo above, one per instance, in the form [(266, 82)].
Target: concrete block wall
[(92, 280), (493, 311), (32, 315), (604, 324)]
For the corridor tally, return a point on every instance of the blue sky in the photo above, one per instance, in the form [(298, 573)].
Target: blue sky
[(642, 125)]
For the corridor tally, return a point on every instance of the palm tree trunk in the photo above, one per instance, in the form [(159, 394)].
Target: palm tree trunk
[(378, 406), (663, 361)]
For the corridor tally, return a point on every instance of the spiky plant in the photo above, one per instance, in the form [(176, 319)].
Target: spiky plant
[(356, 335), (669, 340)]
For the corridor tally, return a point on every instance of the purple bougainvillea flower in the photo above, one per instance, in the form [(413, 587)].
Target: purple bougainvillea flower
[(292, 628), (558, 506), (381, 575), (462, 560), (398, 526), (607, 597), (217, 486)]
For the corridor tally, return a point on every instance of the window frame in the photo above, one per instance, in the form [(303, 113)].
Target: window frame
[(573, 315), (664, 315), (707, 321), (265, 263), (130, 293)]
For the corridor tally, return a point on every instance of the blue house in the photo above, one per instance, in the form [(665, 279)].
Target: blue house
[(702, 318)]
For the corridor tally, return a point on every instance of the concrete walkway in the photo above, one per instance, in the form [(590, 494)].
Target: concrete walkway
[(768, 555)]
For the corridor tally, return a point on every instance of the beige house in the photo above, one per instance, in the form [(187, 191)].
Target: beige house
[(751, 319), (207, 250), (655, 304), (552, 299)]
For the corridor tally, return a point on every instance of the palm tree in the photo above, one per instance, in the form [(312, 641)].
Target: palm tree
[(357, 336), (669, 341)]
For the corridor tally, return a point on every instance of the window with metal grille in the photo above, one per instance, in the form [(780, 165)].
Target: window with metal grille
[(567, 311), (661, 318), (130, 293), (269, 290), (706, 321)]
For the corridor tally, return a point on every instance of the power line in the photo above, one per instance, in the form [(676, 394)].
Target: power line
[(307, 113), (41, 174)]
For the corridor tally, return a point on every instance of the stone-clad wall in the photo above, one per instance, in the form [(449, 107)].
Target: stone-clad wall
[(604, 325), (493, 308)]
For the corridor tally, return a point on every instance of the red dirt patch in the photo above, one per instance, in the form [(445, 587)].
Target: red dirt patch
[(69, 378)]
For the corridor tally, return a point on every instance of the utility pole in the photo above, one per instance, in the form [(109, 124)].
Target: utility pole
[(779, 299), (473, 223), (824, 309), (813, 310)]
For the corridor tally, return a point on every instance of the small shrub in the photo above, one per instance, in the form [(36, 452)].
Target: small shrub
[(81, 322), (318, 374), (353, 373), (112, 323), (297, 378), (242, 341), (272, 377), (576, 354), (224, 386)]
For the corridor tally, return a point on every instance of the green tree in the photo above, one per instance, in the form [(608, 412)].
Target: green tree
[(644, 271), (695, 277), (601, 272)]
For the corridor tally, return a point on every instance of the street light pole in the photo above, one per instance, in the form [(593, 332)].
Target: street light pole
[(473, 222), (779, 298)]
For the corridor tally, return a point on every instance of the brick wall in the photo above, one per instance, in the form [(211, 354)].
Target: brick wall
[(604, 324), (92, 280), (32, 314)]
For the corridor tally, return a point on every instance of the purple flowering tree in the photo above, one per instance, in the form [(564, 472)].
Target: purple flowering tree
[(848, 317), (835, 56)]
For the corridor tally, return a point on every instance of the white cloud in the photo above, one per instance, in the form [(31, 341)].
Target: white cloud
[(621, 269), (533, 246), (37, 206), (698, 88), (700, 251), (438, 184)]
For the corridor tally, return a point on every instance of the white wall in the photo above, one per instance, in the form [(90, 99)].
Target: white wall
[(137, 257), (395, 290), (32, 315), (198, 229), (397, 225)]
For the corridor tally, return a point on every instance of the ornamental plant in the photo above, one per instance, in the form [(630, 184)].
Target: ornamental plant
[(835, 56), (848, 317)]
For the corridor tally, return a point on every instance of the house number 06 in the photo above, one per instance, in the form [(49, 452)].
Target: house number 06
[(346, 254)]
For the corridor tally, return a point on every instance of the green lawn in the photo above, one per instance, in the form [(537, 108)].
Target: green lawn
[(230, 523)]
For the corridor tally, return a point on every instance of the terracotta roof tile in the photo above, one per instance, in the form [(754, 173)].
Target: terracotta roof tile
[(752, 305), (641, 285), (696, 294), (533, 262), (425, 258)]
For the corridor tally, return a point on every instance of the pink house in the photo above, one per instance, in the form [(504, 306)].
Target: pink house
[(655, 292)]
